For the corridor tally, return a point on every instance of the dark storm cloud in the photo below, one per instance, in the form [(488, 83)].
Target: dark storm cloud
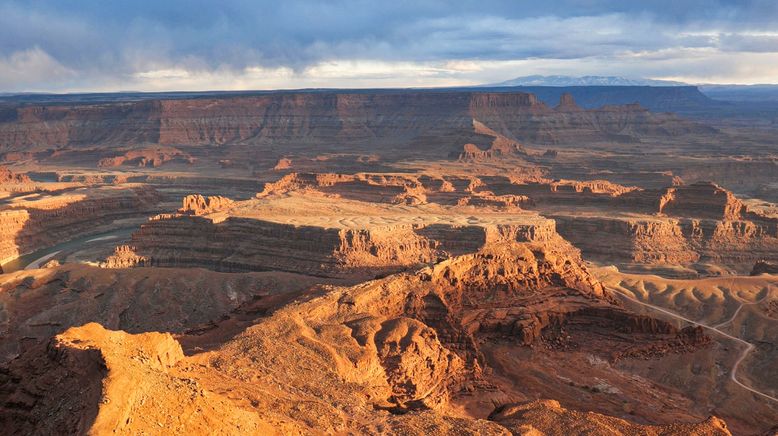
[(85, 39)]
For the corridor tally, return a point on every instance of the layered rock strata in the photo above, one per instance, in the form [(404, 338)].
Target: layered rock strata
[(701, 222), (297, 233), (324, 118), (32, 223)]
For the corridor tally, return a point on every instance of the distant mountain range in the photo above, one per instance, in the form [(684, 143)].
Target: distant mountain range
[(683, 97), (538, 80)]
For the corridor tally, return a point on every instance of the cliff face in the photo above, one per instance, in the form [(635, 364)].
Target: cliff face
[(733, 243), (50, 125), (31, 225), (701, 222), (248, 244), (379, 224), (702, 200), (402, 119), (677, 225)]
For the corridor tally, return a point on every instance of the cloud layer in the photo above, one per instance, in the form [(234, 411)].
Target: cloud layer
[(98, 45)]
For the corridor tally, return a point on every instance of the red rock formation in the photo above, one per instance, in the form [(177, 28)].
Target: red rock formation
[(147, 157), (567, 104), (124, 256), (705, 223), (548, 417), (700, 200), (250, 244), (405, 342), (400, 118), (196, 204), (736, 244), (488, 199), (283, 164), (9, 177), (30, 225)]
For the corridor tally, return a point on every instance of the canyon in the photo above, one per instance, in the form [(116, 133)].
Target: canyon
[(454, 261), (386, 222)]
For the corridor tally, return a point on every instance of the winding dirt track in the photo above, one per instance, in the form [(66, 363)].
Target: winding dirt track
[(748, 346)]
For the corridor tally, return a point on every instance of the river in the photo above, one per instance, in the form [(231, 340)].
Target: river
[(37, 258)]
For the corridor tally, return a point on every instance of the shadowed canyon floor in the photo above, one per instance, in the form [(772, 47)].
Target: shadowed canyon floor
[(391, 262)]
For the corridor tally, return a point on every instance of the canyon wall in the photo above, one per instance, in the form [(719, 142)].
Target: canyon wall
[(249, 244), (698, 223), (328, 118), (733, 243), (31, 225)]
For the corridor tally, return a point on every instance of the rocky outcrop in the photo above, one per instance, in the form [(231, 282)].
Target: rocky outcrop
[(418, 368), (283, 164), (548, 417), (683, 224), (567, 104), (764, 267), (111, 382), (15, 183), (124, 256), (147, 157), (196, 204), (364, 187), (677, 225), (488, 199), (9, 177), (528, 191), (392, 188), (500, 146), (255, 244), (700, 200), (648, 240), (34, 224)]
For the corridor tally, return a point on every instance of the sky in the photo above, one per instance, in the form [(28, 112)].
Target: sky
[(159, 45)]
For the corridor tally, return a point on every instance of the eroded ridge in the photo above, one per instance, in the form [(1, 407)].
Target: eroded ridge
[(386, 354)]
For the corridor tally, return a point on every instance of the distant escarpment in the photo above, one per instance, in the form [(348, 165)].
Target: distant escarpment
[(437, 121), (683, 99)]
